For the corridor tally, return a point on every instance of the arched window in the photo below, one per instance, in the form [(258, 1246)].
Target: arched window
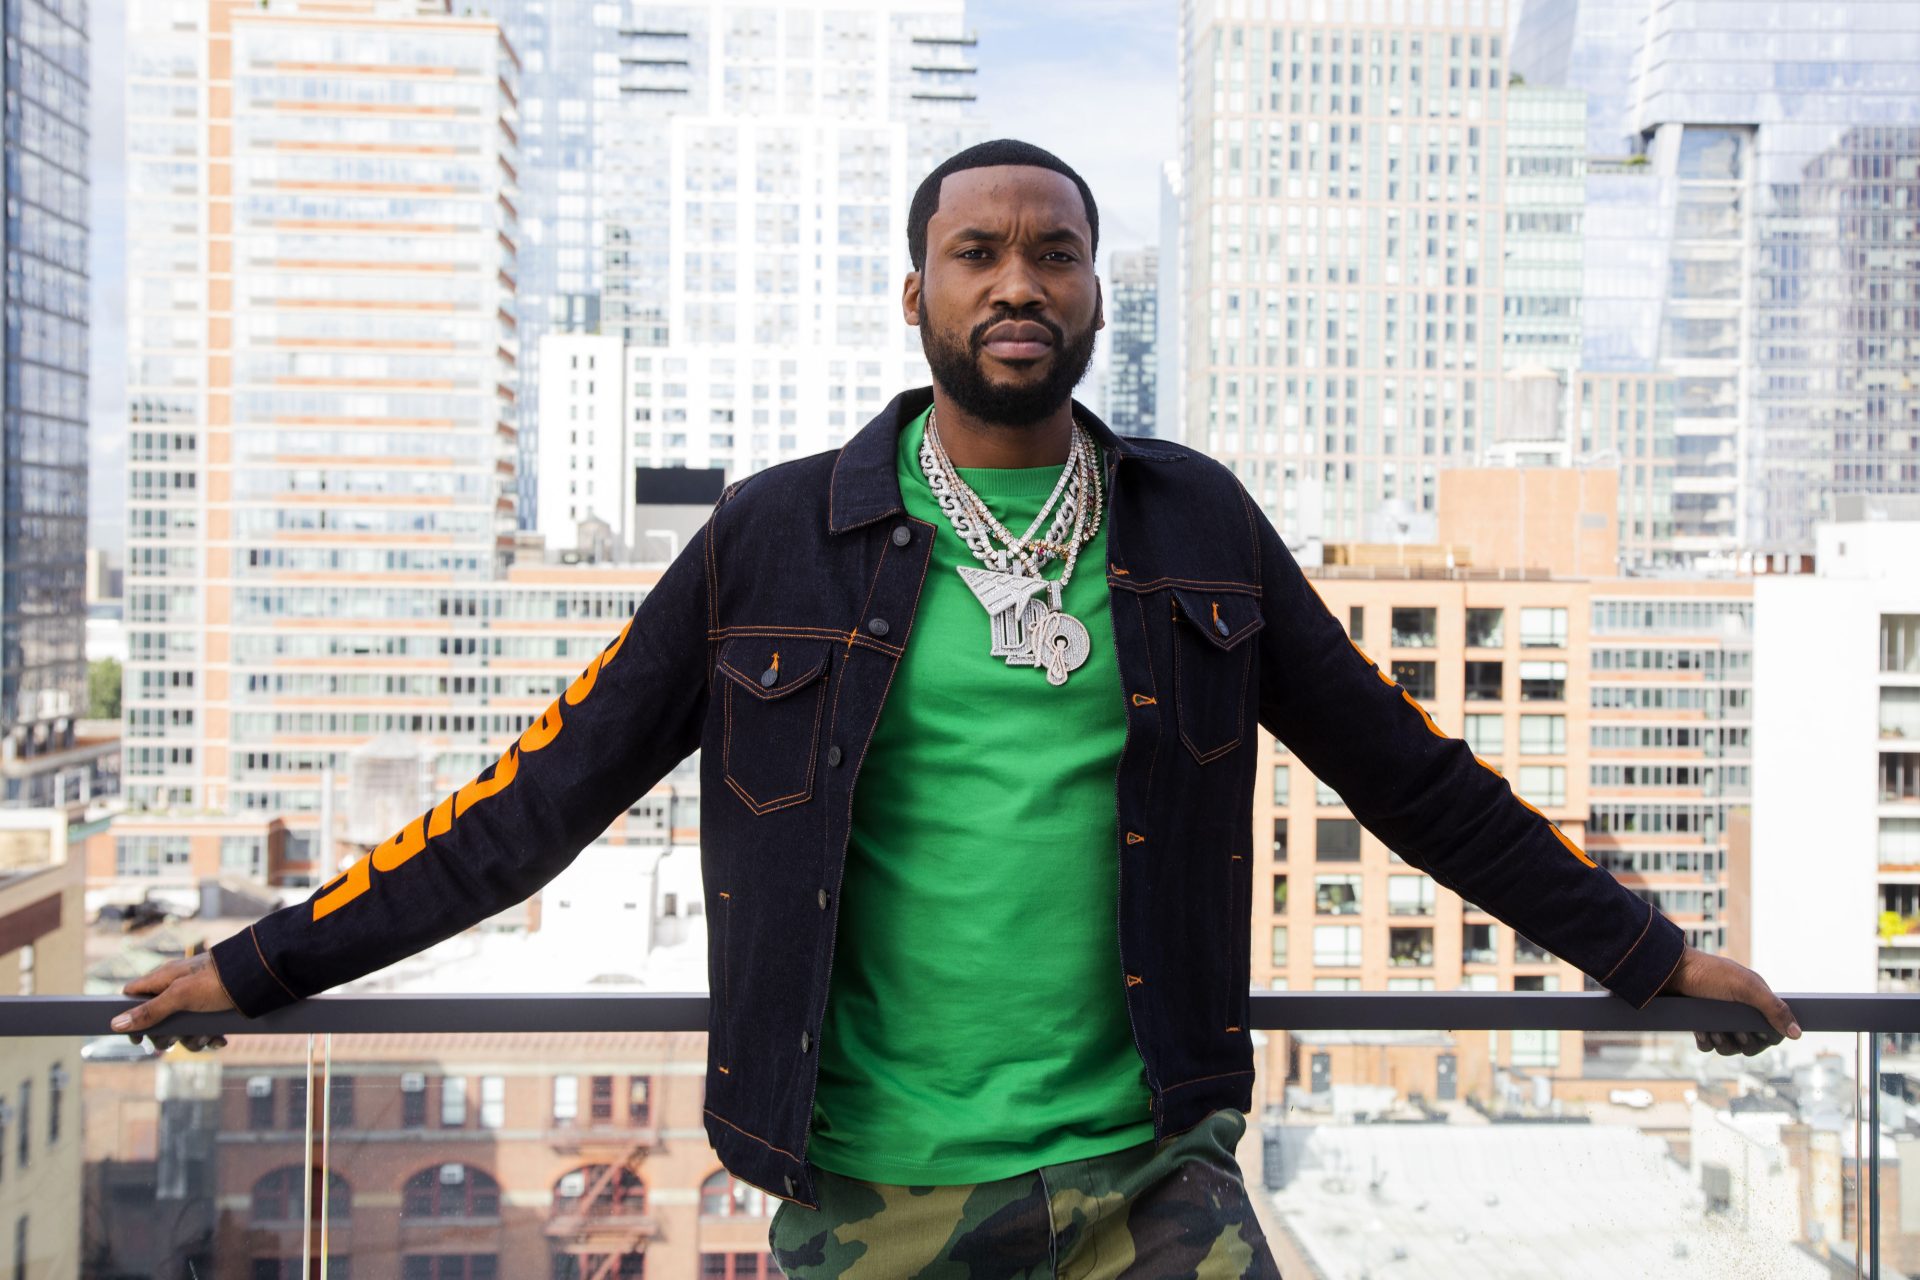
[(724, 1196), (276, 1196), (623, 1192), (451, 1191)]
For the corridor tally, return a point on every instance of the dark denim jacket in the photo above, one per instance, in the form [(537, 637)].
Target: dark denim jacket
[(1218, 635)]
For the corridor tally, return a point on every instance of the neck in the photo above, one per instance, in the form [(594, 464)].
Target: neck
[(976, 442)]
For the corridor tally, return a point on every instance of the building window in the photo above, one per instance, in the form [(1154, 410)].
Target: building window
[(1324, 794), (1410, 947), (1483, 681), (1336, 944), (1356, 624), (413, 1100), (1337, 839), (1279, 895), (1486, 628), (600, 1103), (56, 1090), (1336, 895), (1282, 781), (1900, 643), (1279, 945), (1527, 951), (1409, 896), (620, 1193), (739, 1266), (1486, 735), (297, 1112), (259, 1102), (1413, 628), (278, 1196), (1543, 735), (340, 1102), (1543, 784), (493, 1102), (1543, 682), (26, 1121), (1416, 678), (1543, 628), (566, 1101), (1477, 945), (1279, 839), (725, 1196), (639, 1100), (1899, 777), (451, 1190), (453, 1102)]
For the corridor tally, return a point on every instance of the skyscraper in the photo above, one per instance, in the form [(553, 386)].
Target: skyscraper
[(1133, 322), (756, 181), (321, 377), (43, 537), (1759, 198), (1343, 180)]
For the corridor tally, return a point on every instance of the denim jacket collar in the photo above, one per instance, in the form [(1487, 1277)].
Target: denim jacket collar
[(866, 486)]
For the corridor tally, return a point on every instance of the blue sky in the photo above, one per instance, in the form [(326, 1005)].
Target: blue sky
[(1094, 82)]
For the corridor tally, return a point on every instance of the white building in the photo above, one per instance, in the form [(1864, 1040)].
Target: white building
[(1836, 759), (582, 466), (756, 178)]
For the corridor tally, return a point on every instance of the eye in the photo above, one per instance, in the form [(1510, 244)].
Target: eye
[(964, 252)]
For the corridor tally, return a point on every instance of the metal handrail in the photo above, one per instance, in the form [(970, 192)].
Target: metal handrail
[(573, 1012)]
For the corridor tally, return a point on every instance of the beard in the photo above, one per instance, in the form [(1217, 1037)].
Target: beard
[(956, 367)]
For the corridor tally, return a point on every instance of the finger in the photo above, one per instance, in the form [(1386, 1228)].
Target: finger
[(193, 1044), (1781, 1018), (153, 982), (1700, 1041), (161, 1043), (218, 1042), (143, 1016)]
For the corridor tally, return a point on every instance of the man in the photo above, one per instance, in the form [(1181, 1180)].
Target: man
[(991, 1074)]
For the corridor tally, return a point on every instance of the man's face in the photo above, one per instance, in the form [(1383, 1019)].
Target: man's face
[(1007, 302)]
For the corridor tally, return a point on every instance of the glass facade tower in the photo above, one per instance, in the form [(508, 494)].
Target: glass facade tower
[(43, 444)]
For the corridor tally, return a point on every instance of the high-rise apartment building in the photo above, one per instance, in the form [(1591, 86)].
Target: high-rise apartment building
[(755, 178), (1343, 175), (43, 438), (1545, 202), (1133, 321), (583, 470), (1836, 759), (321, 382), (1750, 235)]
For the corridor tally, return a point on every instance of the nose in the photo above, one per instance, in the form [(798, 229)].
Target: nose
[(1016, 285)]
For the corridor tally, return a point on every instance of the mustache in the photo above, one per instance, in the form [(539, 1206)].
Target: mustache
[(977, 338)]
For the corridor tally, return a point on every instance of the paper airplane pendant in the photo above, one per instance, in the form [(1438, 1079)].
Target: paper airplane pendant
[(1025, 630)]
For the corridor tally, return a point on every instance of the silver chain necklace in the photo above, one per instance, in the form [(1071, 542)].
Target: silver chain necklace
[(1024, 629)]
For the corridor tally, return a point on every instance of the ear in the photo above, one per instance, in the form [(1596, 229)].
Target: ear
[(1099, 311), (910, 299)]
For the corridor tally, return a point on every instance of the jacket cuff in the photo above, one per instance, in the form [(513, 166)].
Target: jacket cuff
[(243, 970), (1649, 962)]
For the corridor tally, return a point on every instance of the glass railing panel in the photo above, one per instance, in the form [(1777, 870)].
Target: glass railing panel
[(1562, 1153)]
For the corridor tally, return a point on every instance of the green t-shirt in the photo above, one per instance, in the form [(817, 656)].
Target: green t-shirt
[(976, 1026)]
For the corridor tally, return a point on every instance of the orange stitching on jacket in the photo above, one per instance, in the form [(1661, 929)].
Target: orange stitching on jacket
[(1142, 700), (1134, 979), (264, 965), (1198, 1079), (756, 1137), (1636, 943)]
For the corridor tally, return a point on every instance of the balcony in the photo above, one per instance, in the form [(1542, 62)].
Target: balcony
[(1470, 1133)]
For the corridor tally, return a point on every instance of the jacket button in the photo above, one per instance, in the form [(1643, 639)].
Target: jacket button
[(902, 535), (768, 676), (789, 1180), (878, 626), (833, 754), (823, 899), (805, 1041)]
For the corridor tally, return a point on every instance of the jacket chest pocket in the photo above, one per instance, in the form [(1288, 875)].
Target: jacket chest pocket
[(773, 691), (1211, 660)]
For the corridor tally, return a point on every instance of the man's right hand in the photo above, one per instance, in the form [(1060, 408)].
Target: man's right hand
[(187, 985)]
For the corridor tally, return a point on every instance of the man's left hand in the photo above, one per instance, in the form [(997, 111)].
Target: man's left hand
[(1711, 977)]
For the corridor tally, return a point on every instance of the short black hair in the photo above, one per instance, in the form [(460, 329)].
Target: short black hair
[(981, 156)]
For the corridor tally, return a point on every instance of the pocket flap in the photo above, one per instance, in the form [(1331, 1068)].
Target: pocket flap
[(1225, 618), (773, 666)]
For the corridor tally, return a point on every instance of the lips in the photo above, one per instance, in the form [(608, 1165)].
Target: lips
[(1018, 340)]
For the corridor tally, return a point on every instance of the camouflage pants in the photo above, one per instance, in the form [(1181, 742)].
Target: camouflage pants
[(1171, 1209)]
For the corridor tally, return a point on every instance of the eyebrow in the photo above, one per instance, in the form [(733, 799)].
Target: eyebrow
[(1062, 233)]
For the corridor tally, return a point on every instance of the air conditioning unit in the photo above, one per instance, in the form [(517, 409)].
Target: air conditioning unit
[(452, 1175), (259, 1086), (413, 1081)]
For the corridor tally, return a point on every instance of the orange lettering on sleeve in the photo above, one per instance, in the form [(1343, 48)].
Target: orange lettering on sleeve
[(352, 882), (401, 845), (543, 730), (504, 770)]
